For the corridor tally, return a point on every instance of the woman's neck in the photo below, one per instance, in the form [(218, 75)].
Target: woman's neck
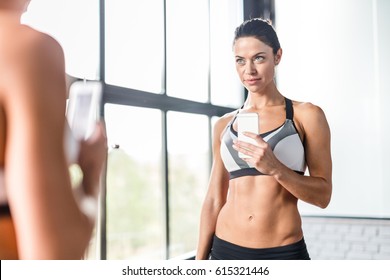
[(10, 16), (259, 100)]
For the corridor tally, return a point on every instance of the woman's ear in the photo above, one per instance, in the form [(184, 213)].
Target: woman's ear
[(278, 56)]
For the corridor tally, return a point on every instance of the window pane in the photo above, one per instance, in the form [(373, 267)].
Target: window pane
[(187, 49), (226, 88), (189, 164), (135, 44), (75, 25), (135, 218)]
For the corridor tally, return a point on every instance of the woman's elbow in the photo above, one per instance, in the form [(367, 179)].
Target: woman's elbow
[(325, 197)]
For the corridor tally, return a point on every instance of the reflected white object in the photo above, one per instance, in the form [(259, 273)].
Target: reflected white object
[(83, 108), (72, 146)]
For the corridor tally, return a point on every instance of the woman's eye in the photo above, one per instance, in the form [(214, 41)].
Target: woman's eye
[(240, 61), (259, 58)]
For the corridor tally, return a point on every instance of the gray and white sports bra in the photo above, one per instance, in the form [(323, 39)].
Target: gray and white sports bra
[(284, 141)]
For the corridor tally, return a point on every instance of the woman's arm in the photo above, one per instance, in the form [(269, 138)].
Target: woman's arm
[(215, 197), (316, 188), (48, 221)]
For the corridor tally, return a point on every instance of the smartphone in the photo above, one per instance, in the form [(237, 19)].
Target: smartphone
[(83, 110), (247, 122)]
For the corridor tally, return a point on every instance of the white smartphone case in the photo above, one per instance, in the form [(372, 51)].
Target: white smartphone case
[(83, 109), (247, 122)]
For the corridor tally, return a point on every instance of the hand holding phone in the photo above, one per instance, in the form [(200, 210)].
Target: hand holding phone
[(247, 122), (84, 108)]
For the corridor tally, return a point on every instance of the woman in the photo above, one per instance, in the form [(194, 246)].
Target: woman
[(250, 210), (40, 217)]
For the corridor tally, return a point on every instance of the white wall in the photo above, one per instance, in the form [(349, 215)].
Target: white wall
[(336, 55)]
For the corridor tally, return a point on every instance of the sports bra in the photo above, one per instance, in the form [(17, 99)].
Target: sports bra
[(284, 141)]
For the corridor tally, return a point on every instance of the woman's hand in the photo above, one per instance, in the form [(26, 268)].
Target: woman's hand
[(93, 153), (261, 155)]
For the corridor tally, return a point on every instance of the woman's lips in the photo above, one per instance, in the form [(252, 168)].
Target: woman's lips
[(252, 81)]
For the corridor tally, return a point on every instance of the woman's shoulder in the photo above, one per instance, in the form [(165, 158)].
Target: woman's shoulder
[(222, 122), (308, 115), (25, 44), (30, 51), (307, 109), (28, 59), (225, 119), (39, 42)]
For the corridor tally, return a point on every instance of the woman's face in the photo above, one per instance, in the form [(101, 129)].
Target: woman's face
[(19, 6), (255, 63)]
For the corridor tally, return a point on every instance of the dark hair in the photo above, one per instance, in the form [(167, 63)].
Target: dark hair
[(260, 29)]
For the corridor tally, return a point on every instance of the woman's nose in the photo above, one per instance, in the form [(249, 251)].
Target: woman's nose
[(250, 68)]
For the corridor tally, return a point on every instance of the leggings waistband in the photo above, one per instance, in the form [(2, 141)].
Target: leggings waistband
[(224, 250)]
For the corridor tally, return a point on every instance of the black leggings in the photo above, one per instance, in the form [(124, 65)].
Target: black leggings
[(223, 250)]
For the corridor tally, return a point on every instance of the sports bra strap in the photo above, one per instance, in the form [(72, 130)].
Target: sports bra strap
[(235, 115), (289, 109)]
